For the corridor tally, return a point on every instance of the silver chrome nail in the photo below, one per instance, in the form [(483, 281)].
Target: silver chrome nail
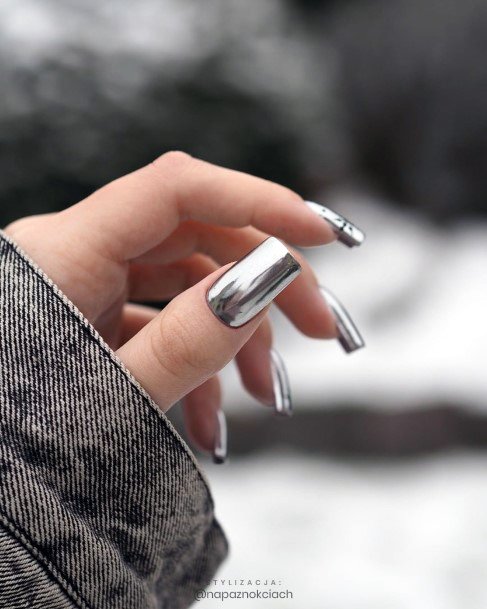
[(252, 283), (347, 233), (280, 382), (348, 335), (220, 449)]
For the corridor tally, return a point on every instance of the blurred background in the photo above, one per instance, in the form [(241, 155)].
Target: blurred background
[(375, 494)]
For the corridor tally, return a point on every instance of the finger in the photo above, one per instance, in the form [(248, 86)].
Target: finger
[(133, 214), (252, 360), (253, 363), (161, 283), (18, 226), (148, 282), (188, 342), (134, 318), (200, 407), (302, 302)]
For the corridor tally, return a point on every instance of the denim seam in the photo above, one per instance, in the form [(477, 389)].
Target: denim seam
[(48, 567)]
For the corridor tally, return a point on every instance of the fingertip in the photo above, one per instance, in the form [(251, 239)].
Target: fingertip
[(295, 223), (318, 231), (305, 306)]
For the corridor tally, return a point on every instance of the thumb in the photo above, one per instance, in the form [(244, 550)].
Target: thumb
[(203, 328)]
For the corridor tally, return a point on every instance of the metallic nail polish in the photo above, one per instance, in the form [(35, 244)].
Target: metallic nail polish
[(347, 233), (348, 335), (280, 381), (252, 283), (220, 448)]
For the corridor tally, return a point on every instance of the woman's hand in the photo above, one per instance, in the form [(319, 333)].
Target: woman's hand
[(165, 232)]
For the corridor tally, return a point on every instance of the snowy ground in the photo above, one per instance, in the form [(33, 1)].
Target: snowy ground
[(353, 535)]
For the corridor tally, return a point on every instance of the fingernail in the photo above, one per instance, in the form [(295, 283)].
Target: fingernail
[(347, 233), (220, 448), (252, 283), (280, 382), (348, 335)]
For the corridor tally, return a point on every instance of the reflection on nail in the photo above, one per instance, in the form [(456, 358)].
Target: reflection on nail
[(280, 381), (252, 283), (347, 233), (348, 335), (220, 448)]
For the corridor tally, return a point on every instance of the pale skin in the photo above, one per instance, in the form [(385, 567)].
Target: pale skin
[(166, 232)]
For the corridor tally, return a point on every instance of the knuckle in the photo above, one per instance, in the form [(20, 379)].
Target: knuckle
[(172, 161), (31, 230), (18, 226)]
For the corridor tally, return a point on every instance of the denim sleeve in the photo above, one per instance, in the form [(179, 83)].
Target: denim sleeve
[(102, 505)]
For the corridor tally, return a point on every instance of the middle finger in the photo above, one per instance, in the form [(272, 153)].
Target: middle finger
[(302, 302)]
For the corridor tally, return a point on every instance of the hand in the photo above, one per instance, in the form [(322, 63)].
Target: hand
[(164, 232)]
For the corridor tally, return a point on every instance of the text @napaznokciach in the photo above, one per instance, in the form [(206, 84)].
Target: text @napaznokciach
[(244, 589)]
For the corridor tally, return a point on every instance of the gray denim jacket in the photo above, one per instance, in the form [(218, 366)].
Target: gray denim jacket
[(102, 505)]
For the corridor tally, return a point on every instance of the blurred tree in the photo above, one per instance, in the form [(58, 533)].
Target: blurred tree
[(306, 92)]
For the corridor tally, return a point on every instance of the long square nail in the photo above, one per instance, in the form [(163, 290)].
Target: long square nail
[(252, 283)]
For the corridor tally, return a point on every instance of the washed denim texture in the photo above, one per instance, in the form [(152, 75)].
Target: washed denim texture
[(102, 505)]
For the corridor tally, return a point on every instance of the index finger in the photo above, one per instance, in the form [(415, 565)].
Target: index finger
[(133, 214)]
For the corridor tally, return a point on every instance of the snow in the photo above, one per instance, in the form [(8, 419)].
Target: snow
[(355, 535)]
